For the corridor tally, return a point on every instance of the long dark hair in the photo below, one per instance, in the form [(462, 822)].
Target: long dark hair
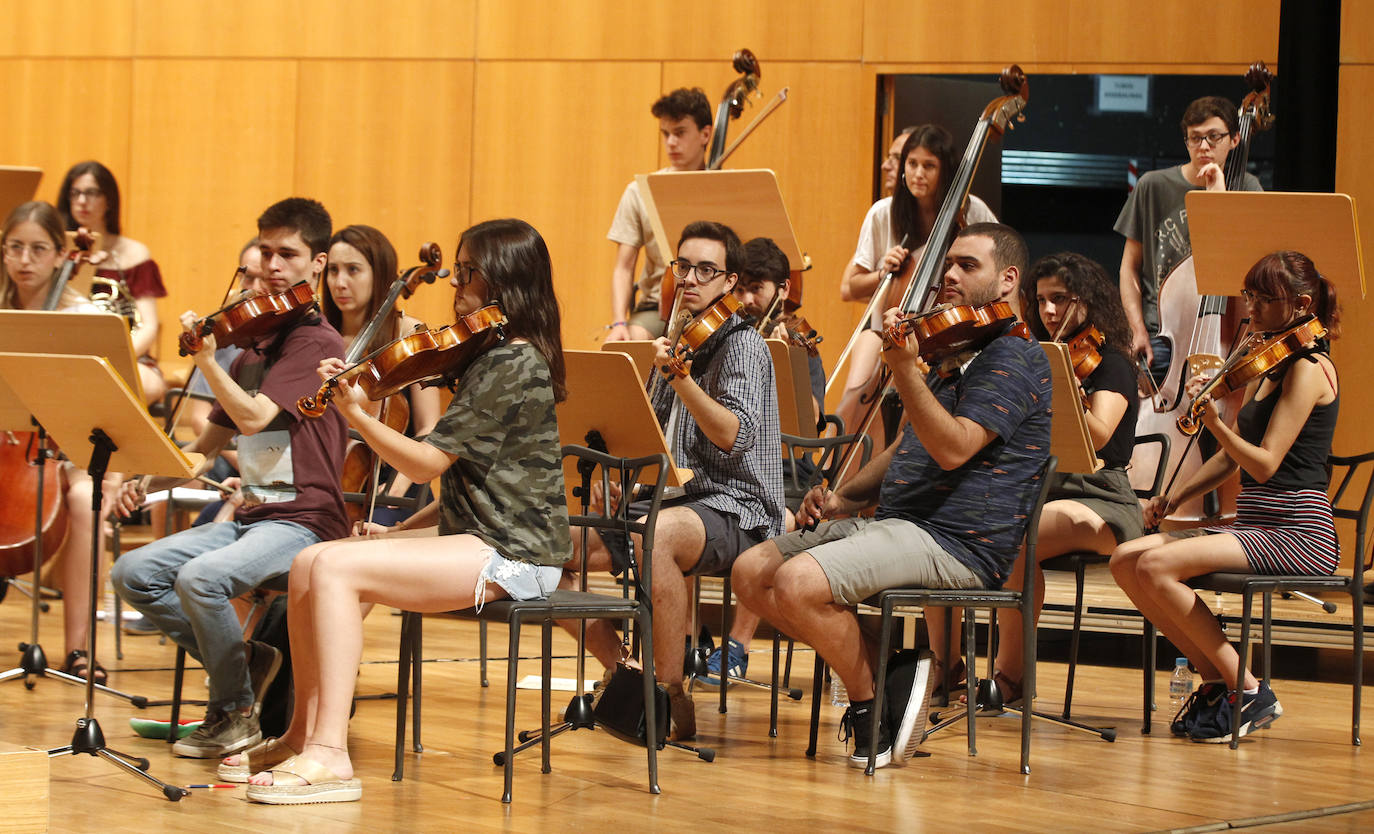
[(512, 257), (104, 180), (381, 258), (906, 213), (1085, 278), (1289, 274), (34, 211)]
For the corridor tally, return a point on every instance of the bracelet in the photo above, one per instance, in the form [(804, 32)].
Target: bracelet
[(616, 324)]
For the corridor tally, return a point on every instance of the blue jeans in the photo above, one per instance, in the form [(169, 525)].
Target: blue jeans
[(185, 582)]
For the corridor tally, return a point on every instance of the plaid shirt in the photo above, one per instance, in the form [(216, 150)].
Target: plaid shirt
[(735, 369)]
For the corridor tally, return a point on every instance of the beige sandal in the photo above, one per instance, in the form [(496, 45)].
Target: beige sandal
[(321, 785), (267, 754)]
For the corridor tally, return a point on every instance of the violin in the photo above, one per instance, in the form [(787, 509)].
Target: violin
[(949, 330), (1085, 354), (247, 320), (1262, 354), (802, 334), (695, 333), (420, 357)]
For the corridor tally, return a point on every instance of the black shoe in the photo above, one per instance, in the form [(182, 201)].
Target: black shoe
[(857, 723), (263, 663), (1205, 697), (911, 716), (1257, 712)]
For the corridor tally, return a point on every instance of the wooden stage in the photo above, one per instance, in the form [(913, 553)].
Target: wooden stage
[(1078, 782)]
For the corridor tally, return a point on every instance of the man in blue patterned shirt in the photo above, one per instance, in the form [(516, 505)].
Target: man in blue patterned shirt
[(952, 494), (720, 418)]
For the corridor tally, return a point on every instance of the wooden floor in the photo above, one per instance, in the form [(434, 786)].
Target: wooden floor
[(1078, 782)]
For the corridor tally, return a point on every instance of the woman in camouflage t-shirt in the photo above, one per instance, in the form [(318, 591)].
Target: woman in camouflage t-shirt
[(502, 517)]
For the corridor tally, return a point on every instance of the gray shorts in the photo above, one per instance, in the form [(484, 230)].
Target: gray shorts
[(861, 556)]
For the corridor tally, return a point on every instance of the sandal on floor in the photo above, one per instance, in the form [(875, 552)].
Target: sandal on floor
[(77, 665), (947, 682), (321, 785), (264, 755)]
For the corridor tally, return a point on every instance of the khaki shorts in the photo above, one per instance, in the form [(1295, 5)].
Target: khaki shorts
[(861, 556)]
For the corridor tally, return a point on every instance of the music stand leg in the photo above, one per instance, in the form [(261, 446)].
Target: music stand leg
[(88, 738)]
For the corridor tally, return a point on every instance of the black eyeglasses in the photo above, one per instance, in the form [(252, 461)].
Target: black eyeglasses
[(1212, 139), (706, 273), (462, 273), (89, 193)]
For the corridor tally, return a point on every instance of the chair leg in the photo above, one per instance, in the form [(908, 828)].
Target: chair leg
[(1074, 638), (817, 687), (971, 694), (177, 677), (651, 740), (417, 666), (482, 649), (879, 685), (1246, 606), (1268, 634), (512, 661), (1357, 606), (402, 694), (773, 705), (1147, 649), (546, 691), (724, 640), (787, 666)]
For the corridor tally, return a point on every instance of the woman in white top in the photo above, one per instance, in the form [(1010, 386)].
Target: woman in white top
[(929, 160)]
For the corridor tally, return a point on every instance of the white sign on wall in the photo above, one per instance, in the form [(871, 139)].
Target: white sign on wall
[(1123, 93)]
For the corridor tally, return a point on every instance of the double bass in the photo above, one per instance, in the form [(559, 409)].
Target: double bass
[(1200, 330)]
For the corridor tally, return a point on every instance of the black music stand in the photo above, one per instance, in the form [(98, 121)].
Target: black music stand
[(123, 427), (25, 331)]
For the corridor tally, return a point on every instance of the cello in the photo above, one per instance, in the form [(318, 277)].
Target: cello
[(1205, 325)]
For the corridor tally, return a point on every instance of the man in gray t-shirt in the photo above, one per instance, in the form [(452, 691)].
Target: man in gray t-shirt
[(1154, 220)]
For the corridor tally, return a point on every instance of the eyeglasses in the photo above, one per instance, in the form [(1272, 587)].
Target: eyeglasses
[(1212, 139), (15, 249), (1256, 298), (463, 273), (89, 193), (705, 272)]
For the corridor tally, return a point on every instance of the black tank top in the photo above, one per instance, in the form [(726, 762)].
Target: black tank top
[(1304, 467)]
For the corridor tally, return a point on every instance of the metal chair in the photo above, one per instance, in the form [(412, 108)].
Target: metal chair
[(1078, 562), (562, 605), (1343, 470), (890, 600)]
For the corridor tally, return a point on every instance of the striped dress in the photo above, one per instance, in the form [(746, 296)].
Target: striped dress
[(1285, 524)]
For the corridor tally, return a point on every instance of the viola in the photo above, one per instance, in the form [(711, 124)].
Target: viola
[(695, 333), (419, 357), (1262, 354), (802, 334), (247, 320), (949, 330)]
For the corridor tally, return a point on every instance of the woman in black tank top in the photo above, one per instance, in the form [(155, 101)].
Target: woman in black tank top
[(1061, 296), (1283, 521)]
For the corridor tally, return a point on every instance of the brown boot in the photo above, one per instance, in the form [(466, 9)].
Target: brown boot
[(684, 713)]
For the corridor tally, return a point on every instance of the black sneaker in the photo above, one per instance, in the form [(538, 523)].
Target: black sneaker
[(857, 723), (1256, 712), (263, 663), (220, 734), (1205, 697), (911, 727)]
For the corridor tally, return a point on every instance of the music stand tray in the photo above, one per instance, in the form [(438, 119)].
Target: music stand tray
[(109, 427)]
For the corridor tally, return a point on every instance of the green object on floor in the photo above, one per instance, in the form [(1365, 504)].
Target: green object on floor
[(148, 728)]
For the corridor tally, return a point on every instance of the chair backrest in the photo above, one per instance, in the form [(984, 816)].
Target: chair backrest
[(832, 452), (612, 513), (1157, 481), (1340, 482)]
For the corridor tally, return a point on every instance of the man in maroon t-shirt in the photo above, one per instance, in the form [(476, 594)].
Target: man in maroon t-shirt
[(184, 584)]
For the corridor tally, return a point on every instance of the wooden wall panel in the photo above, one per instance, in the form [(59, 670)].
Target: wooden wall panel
[(554, 143), (1357, 32), (213, 145), (69, 111), (587, 30), (305, 29), (1354, 351), (819, 144), (389, 144), (1081, 31), (78, 28)]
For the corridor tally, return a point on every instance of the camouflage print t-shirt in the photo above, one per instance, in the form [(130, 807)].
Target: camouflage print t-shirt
[(978, 512), (507, 485)]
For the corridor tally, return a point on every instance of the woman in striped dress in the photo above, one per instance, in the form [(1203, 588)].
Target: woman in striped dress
[(1280, 442)]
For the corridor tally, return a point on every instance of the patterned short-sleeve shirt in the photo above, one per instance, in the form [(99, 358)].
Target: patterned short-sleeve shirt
[(507, 485), (978, 512)]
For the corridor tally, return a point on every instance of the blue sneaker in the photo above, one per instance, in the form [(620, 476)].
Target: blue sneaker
[(1257, 712), (1202, 699), (739, 662)]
